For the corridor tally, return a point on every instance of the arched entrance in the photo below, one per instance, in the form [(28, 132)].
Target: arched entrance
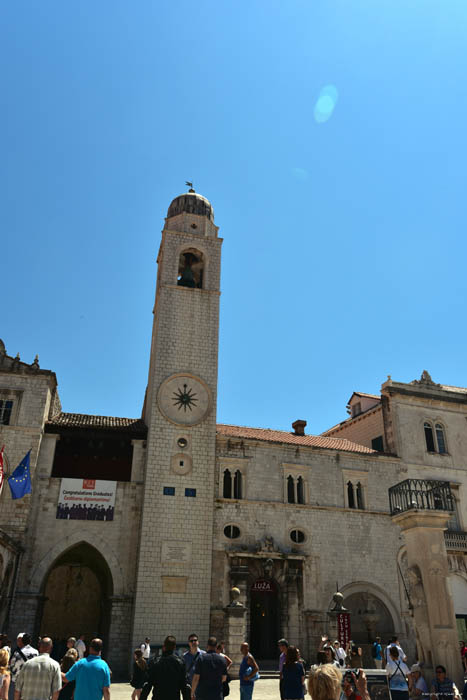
[(264, 618), (369, 618), (76, 592)]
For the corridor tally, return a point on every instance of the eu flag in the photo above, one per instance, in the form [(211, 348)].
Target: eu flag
[(20, 480)]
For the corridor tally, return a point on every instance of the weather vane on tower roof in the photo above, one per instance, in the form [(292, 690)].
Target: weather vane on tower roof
[(190, 185)]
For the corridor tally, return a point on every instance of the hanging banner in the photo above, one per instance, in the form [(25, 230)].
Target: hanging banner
[(343, 628), (86, 499)]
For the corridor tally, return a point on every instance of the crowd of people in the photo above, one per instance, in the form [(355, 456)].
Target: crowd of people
[(30, 673)]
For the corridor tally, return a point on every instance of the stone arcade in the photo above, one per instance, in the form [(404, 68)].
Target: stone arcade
[(288, 514)]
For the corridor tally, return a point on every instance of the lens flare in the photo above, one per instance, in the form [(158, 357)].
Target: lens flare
[(326, 103)]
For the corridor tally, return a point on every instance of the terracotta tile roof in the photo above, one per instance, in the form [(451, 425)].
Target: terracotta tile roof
[(238, 431), (81, 420)]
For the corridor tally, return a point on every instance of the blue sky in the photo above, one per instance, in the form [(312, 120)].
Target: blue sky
[(344, 251)]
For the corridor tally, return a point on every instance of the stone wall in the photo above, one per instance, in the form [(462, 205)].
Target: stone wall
[(344, 545), (362, 429)]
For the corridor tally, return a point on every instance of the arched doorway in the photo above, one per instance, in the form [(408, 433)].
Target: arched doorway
[(76, 593), (369, 618), (264, 618)]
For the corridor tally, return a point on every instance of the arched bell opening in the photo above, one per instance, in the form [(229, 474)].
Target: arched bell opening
[(76, 597), (191, 269)]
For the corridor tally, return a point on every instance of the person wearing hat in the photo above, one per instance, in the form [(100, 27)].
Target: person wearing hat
[(340, 652), (417, 684)]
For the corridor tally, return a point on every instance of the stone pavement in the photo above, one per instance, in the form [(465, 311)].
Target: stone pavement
[(265, 689)]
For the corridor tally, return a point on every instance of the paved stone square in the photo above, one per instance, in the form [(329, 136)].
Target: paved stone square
[(265, 689)]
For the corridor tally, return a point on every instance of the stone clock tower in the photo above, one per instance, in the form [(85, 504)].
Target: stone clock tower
[(173, 588)]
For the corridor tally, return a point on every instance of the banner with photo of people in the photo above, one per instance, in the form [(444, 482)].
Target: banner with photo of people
[(86, 499)]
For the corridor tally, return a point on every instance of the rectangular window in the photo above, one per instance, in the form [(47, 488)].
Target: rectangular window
[(356, 409), (169, 490), (377, 444), (6, 407), (191, 493)]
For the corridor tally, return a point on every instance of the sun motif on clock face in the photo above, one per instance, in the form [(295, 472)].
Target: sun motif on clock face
[(185, 399)]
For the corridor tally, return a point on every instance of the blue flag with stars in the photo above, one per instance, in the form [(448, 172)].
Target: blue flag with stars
[(20, 480)]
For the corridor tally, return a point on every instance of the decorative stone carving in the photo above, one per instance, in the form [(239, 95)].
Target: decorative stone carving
[(425, 379), (420, 613), (267, 568), (267, 544), (234, 598)]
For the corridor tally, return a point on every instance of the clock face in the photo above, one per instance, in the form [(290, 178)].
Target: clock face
[(184, 399)]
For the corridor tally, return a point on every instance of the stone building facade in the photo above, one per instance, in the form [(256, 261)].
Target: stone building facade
[(200, 507)]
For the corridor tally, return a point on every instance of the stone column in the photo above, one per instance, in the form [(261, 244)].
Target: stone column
[(235, 630), (316, 624), (428, 571), (293, 627), (26, 613), (119, 651)]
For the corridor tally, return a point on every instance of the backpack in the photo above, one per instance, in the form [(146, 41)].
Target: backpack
[(373, 650)]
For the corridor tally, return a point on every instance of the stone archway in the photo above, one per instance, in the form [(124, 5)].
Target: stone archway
[(369, 617), (76, 595)]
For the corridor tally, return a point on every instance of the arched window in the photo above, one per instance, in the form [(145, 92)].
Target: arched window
[(290, 490), (440, 438), (359, 496), (227, 484), (350, 495), (435, 439), (191, 269), (237, 484), (429, 439), (300, 490)]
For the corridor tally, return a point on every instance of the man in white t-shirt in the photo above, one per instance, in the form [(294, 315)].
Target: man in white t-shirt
[(394, 643), (146, 649), (80, 646)]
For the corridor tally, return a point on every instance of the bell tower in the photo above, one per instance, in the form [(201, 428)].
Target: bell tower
[(173, 586)]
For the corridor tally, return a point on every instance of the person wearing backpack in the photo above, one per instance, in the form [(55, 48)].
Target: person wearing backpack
[(377, 652), (398, 673), (23, 652)]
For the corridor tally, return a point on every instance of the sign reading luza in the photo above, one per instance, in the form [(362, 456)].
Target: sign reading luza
[(86, 499)]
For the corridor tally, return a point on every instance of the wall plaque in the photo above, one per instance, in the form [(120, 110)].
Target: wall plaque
[(176, 552), (174, 584)]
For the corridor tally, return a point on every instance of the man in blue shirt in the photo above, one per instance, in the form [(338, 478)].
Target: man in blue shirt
[(378, 652), (210, 674), (92, 675), (191, 657)]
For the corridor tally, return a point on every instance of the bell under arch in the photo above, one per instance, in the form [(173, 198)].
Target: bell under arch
[(191, 269), (76, 595)]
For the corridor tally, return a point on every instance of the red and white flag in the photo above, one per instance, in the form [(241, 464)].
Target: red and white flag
[(2, 473)]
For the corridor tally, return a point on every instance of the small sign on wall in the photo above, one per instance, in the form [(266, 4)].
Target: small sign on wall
[(176, 552), (86, 499), (262, 585), (174, 584)]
